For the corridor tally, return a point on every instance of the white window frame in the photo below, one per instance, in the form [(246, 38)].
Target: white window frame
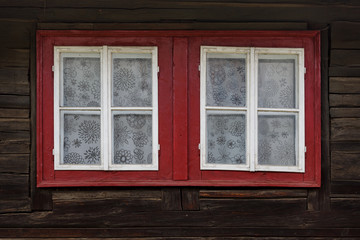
[(105, 110), (252, 109)]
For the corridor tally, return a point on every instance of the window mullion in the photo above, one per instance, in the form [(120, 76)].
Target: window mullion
[(105, 118), (253, 110)]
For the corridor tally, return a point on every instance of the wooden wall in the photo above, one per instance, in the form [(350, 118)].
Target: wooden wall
[(330, 211)]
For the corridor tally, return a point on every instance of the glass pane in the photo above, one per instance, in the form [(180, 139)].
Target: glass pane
[(226, 82), (226, 138), (132, 139), (81, 80), (277, 83), (81, 142), (277, 140), (132, 80)]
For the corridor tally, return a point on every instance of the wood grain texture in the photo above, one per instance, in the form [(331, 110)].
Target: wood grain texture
[(14, 186), (190, 199), (344, 100), (15, 205), (345, 165), (344, 85), (14, 58), (347, 129), (345, 112), (171, 199), (348, 58), (345, 35), (14, 163), (345, 188), (254, 193), (13, 101), (14, 124)]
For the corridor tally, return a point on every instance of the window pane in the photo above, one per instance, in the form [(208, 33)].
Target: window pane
[(81, 80), (132, 139), (277, 140), (226, 138), (225, 82), (277, 83), (132, 80), (81, 142)]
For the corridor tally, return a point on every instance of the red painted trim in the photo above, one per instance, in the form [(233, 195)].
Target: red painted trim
[(179, 110), (180, 126)]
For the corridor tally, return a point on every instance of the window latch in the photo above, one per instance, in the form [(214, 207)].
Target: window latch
[(53, 68)]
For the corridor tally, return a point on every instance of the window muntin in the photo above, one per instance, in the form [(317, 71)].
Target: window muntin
[(274, 89), (101, 92)]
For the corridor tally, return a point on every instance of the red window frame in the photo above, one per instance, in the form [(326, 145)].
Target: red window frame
[(179, 108)]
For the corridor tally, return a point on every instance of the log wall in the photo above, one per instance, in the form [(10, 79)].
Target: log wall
[(181, 212)]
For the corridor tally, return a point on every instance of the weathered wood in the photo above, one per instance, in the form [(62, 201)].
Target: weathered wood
[(345, 146), (345, 204), (15, 205), (14, 76), (345, 112), (347, 129), (260, 193), (15, 142), (345, 187), (345, 35), (171, 199), (344, 72), (344, 85), (348, 58), (313, 200), (324, 191), (345, 166), (14, 34), (190, 199), (14, 124), (22, 3), (14, 58), (13, 101), (15, 89), (14, 186), (254, 205), (14, 163), (178, 26), (143, 193), (344, 100), (176, 233)]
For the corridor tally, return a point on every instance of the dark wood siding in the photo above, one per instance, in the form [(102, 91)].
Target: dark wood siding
[(182, 212)]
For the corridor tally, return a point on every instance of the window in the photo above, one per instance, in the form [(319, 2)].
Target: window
[(178, 108), (105, 108), (252, 109)]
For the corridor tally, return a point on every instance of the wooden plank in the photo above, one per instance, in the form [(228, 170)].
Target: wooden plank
[(345, 35), (345, 146), (22, 3), (190, 199), (256, 193), (348, 58), (14, 113), (12, 124), (345, 204), (324, 191), (345, 166), (254, 205), (344, 72), (14, 186), (14, 13), (178, 26), (180, 117), (14, 89), (143, 193), (15, 146), (13, 101), (15, 34), (313, 203), (171, 199), (345, 112), (344, 100), (14, 163), (15, 205), (199, 13), (345, 129), (345, 187), (14, 75), (345, 85), (14, 58)]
